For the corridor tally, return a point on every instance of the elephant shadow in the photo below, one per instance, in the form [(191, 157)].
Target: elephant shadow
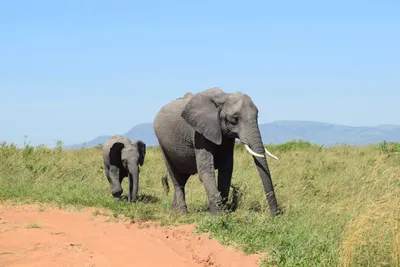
[(231, 205), (236, 198), (148, 198), (144, 198)]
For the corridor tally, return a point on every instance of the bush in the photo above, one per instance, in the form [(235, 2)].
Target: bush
[(389, 147)]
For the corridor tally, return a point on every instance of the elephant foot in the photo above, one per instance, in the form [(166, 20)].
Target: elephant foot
[(218, 206), (131, 199), (180, 209), (217, 210), (275, 212)]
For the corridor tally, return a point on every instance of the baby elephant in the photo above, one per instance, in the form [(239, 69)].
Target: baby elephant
[(122, 158)]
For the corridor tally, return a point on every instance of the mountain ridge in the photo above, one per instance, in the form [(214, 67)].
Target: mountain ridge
[(281, 131)]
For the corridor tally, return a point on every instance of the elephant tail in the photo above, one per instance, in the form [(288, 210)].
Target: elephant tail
[(164, 181)]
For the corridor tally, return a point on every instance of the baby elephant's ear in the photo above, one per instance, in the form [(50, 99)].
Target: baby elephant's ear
[(142, 151), (115, 153)]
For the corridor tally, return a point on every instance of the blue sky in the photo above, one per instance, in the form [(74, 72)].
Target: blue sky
[(73, 70)]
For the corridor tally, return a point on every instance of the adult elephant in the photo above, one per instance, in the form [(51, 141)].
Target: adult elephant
[(197, 134), (121, 158)]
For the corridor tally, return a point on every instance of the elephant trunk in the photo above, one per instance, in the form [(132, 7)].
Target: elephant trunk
[(133, 182), (116, 189), (252, 138)]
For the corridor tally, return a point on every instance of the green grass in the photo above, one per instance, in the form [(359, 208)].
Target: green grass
[(341, 204)]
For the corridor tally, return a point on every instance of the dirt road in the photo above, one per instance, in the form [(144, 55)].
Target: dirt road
[(33, 236)]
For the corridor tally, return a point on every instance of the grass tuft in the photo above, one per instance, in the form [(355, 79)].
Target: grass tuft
[(33, 225)]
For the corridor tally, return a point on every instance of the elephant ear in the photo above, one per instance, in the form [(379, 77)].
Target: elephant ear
[(115, 154), (202, 113), (142, 151)]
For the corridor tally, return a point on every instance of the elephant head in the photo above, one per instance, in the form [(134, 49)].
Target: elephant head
[(214, 114), (125, 157), (133, 154)]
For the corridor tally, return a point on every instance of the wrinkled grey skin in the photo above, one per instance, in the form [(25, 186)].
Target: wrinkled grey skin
[(197, 134), (121, 158)]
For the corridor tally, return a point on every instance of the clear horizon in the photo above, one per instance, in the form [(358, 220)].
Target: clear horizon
[(73, 70)]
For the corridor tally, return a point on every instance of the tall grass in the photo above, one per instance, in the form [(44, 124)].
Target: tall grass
[(341, 204)]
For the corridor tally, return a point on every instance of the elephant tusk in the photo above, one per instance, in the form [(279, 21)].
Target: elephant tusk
[(270, 154), (252, 152), (259, 155)]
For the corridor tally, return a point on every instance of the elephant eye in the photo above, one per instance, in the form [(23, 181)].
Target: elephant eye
[(234, 119)]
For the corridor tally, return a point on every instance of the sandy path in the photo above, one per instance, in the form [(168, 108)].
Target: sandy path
[(70, 238)]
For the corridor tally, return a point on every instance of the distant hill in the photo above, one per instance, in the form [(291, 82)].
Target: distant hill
[(282, 131), (143, 132), (328, 134)]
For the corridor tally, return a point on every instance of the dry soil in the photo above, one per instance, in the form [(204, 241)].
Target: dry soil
[(34, 235)]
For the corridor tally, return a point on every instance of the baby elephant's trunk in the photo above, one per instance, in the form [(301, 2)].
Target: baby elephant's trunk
[(133, 182)]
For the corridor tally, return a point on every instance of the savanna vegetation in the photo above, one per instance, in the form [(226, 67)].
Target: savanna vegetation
[(341, 204)]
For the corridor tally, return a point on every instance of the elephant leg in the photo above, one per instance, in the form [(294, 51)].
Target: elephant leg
[(164, 181), (116, 188), (224, 182), (225, 172), (107, 173), (179, 182), (179, 201), (122, 175), (205, 167)]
